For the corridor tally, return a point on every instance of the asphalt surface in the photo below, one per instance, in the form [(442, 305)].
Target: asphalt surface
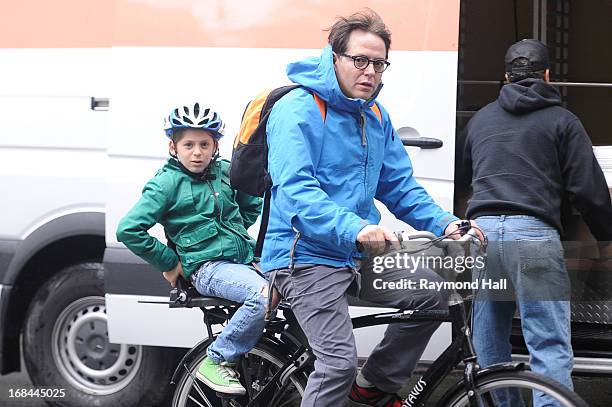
[(597, 391)]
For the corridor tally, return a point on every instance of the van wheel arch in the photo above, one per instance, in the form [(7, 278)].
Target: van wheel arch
[(65, 344)]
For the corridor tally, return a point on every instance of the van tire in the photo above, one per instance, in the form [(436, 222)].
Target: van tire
[(65, 346)]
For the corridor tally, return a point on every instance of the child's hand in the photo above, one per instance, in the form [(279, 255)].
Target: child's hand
[(173, 274)]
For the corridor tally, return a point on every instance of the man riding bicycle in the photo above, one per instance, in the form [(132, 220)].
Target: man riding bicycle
[(326, 173)]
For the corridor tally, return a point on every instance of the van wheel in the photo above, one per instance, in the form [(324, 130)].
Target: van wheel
[(66, 346)]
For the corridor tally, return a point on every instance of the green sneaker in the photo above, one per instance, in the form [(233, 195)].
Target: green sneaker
[(220, 377)]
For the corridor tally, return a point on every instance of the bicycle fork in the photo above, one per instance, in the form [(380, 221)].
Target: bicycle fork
[(459, 317)]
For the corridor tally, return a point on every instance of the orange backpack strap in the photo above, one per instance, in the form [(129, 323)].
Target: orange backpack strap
[(321, 104), (376, 111)]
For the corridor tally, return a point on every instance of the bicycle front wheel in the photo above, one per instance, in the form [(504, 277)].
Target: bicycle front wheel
[(262, 363), (515, 389)]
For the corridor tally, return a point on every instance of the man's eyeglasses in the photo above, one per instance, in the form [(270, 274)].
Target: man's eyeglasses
[(362, 62)]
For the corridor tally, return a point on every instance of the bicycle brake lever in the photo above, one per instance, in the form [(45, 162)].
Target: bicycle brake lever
[(463, 227), (399, 235)]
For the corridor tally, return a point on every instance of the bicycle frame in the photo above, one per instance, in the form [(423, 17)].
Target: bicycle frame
[(460, 350), (293, 336)]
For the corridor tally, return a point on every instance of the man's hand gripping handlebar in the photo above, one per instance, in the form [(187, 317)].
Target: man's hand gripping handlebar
[(375, 240)]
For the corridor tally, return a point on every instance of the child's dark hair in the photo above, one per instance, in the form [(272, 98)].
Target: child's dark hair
[(177, 135)]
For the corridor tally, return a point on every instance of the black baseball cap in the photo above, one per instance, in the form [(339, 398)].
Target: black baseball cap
[(533, 50)]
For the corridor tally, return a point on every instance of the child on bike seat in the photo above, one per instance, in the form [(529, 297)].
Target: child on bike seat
[(207, 220)]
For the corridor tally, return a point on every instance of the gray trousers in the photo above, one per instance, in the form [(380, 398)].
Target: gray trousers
[(319, 298)]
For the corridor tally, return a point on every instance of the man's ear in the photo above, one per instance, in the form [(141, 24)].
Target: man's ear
[(507, 77), (171, 148), (335, 57)]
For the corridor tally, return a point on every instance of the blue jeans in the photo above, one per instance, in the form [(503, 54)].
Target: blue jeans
[(528, 253), (239, 283)]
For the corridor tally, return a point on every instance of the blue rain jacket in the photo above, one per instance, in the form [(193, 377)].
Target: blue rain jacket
[(326, 174)]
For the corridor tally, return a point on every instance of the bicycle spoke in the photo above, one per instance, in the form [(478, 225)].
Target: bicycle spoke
[(487, 400), (197, 387), (190, 397), (201, 393), (517, 389), (260, 371), (263, 367), (279, 394), (264, 372), (245, 372)]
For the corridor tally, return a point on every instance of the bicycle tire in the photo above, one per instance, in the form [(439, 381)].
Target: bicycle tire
[(186, 395), (490, 386)]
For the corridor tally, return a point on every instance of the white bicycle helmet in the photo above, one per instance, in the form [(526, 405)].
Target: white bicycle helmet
[(196, 116)]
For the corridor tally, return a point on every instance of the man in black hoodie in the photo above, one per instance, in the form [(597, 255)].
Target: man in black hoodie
[(524, 153)]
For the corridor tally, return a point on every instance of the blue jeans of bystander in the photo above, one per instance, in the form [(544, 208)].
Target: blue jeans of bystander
[(528, 253)]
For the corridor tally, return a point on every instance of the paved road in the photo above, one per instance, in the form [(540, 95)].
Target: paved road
[(596, 391)]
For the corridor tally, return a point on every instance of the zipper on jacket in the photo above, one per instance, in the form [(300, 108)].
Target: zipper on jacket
[(364, 140), (216, 199), (364, 143), (292, 252), (240, 251)]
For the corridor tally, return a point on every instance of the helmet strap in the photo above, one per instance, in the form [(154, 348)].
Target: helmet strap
[(215, 155)]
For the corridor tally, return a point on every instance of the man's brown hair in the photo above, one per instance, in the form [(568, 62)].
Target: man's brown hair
[(366, 20)]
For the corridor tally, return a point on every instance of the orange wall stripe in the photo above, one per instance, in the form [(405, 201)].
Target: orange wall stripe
[(56, 23), (416, 25)]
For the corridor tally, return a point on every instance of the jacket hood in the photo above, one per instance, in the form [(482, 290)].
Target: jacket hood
[(528, 95), (317, 74)]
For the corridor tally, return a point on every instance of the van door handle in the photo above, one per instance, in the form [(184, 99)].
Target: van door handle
[(99, 104), (426, 143)]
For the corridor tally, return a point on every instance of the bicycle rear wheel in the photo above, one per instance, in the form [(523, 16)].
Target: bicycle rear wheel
[(514, 389), (262, 362)]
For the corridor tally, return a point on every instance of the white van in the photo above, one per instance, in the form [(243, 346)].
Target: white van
[(84, 88)]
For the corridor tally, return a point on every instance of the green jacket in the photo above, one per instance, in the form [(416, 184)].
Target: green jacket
[(207, 220)]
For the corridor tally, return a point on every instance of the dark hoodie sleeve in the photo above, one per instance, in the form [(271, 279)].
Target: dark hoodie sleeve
[(463, 163), (585, 181)]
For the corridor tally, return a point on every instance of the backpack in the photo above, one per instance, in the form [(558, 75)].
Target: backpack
[(249, 166)]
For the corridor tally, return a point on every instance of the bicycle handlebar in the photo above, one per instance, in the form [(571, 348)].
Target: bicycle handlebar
[(470, 236)]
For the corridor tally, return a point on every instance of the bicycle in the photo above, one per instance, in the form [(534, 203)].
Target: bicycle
[(276, 370)]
